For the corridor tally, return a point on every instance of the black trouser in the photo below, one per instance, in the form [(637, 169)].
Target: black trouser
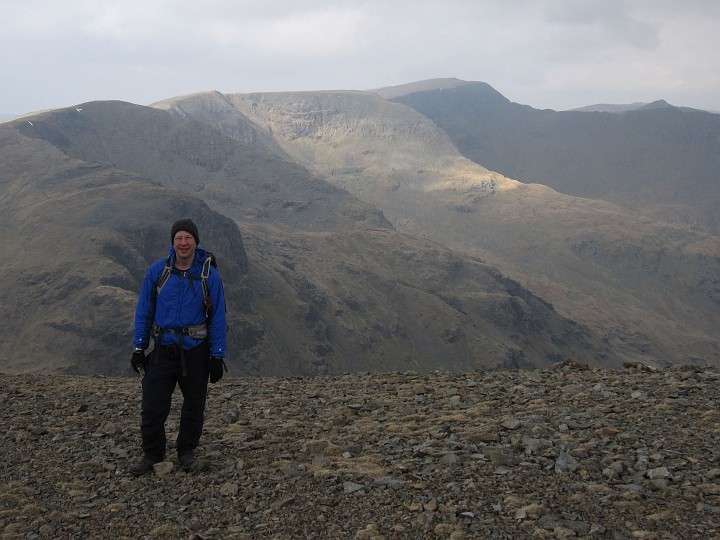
[(164, 370)]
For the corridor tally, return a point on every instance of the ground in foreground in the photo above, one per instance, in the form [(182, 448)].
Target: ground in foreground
[(556, 453)]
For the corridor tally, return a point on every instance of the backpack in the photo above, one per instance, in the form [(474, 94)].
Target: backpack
[(203, 277)]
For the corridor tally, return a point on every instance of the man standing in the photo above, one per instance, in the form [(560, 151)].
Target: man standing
[(182, 307)]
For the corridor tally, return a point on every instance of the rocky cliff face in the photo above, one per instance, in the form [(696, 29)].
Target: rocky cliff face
[(83, 235), (564, 452), (655, 159), (645, 285), (342, 292), (368, 243)]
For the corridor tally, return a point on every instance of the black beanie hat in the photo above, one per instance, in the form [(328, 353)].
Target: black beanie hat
[(184, 225)]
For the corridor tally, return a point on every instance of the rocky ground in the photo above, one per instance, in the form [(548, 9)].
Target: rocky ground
[(559, 453)]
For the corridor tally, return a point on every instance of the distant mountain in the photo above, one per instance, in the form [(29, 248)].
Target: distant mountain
[(598, 263), (80, 237), (318, 283), (217, 110), (185, 154), (658, 160), (619, 109), (610, 108), (353, 235), (389, 92)]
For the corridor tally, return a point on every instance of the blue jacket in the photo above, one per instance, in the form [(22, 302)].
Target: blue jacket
[(180, 304)]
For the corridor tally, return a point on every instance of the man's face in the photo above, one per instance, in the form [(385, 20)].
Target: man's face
[(184, 244)]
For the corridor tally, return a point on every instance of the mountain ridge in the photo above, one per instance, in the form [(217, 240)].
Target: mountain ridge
[(294, 308), (581, 154), (369, 241), (440, 196)]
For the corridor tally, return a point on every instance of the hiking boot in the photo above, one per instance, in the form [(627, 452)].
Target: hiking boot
[(186, 461), (144, 466)]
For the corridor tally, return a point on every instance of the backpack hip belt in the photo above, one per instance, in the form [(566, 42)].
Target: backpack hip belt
[(197, 331)]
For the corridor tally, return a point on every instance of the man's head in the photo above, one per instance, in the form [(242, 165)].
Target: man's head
[(186, 225)]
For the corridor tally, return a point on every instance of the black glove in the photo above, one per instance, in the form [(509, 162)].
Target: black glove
[(138, 361), (217, 366)]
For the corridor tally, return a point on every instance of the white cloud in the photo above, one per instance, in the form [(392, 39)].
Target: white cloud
[(323, 33), (545, 53)]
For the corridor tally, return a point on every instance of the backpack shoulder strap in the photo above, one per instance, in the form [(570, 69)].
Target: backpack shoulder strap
[(204, 277), (210, 260), (168, 269), (164, 275)]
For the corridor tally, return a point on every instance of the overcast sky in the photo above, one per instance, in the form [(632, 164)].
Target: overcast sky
[(557, 54)]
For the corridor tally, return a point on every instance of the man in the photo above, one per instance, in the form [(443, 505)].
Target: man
[(182, 306)]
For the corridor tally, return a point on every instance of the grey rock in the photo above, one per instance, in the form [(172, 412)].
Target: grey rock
[(392, 483), (352, 487), (417, 470), (566, 462), (162, 468), (229, 489), (657, 473), (500, 455), (511, 424)]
